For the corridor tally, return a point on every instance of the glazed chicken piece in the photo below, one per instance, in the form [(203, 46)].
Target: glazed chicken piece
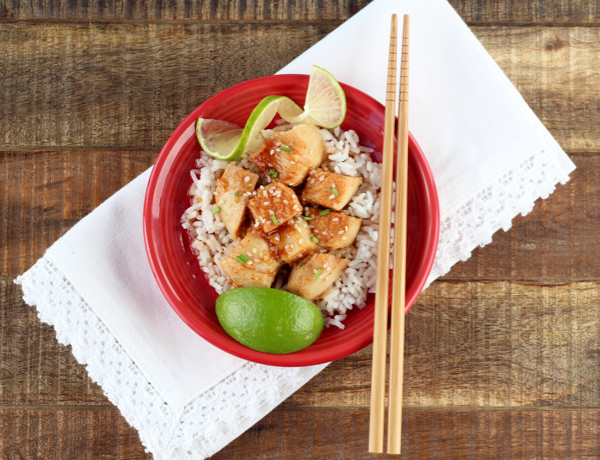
[(314, 275), (288, 156), (251, 263), (293, 241), (334, 230), (232, 196), (329, 189), (273, 206)]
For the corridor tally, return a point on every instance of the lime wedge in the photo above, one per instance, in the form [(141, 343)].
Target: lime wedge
[(325, 104), (227, 141), (218, 138)]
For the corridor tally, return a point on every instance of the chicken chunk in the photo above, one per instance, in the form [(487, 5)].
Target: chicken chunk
[(329, 189), (306, 142), (293, 241), (312, 277), (251, 263), (232, 196), (273, 206), (334, 230), (287, 157)]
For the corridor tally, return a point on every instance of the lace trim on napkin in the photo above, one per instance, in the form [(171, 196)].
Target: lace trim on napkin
[(203, 426), (493, 208)]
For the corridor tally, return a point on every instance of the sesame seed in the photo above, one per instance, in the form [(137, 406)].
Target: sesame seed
[(301, 240), (271, 211), (270, 165), (312, 181), (341, 232), (331, 197), (286, 201), (249, 262), (247, 179), (325, 232), (335, 219), (292, 162), (266, 203), (346, 228), (315, 270), (322, 178), (343, 238), (254, 250), (249, 254)]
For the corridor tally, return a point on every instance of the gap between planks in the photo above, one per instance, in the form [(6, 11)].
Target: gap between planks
[(287, 22)]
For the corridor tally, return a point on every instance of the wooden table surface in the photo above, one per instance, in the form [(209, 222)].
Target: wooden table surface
[(502, 354)]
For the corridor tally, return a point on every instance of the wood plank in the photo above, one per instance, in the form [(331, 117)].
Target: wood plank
[(68, 435), (552, 67), (34, 368), (484, 344), (558, 239), (45, 193), (128, 86), (331, 434), (474, 11), (427, 435)]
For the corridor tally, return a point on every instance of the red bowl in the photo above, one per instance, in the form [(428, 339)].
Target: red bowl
[(176, 268)]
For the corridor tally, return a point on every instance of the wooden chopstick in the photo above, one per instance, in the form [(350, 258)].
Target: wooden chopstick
[(394, 439), (377, 415)]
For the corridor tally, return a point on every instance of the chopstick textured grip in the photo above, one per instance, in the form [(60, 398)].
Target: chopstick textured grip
[(392, 63)]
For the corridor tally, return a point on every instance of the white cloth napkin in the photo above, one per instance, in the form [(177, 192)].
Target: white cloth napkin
[(491, 158)]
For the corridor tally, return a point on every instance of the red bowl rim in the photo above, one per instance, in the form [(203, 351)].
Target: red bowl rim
[(221, 342)]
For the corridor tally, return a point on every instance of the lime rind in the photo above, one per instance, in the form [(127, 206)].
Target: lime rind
[(325, 106)]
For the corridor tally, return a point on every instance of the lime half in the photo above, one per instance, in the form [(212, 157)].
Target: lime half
[(269, 320)]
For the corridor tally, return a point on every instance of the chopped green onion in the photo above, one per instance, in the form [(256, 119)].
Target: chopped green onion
[(236, 193), (324, 212), (242, 258), (314, 239), (273, 173), (301, 264), (335, 192), (285, 148), (274, 219), (319, 271), (307, 218), (216, 209)]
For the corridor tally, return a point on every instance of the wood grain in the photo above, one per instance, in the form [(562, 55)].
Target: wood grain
[(76, 434), (292, 435), (128, 86), (428, 435), (485, 344), (46, 193), (474, 11)]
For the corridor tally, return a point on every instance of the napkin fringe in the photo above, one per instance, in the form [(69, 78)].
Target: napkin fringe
[(203, 426), (473, 223)]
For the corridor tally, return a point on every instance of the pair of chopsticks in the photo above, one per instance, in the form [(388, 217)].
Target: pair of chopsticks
[(376, 425)]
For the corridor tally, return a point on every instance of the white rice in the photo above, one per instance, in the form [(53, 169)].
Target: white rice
[(212, 242)]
